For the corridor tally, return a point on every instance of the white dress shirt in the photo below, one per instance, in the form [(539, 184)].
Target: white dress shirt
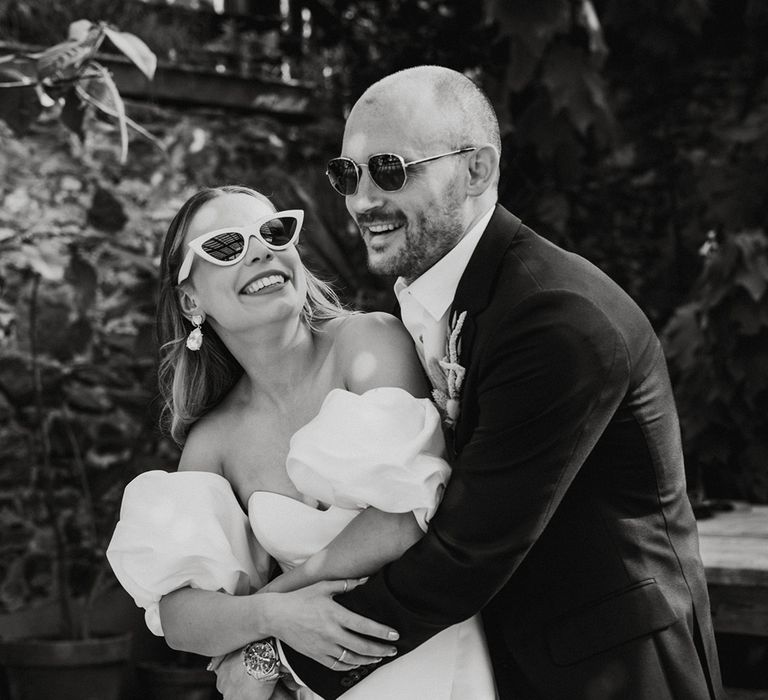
[(424, 303)]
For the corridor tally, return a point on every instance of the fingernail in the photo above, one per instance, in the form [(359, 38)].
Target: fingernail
[(363, 580), (393, 635), (392, 652)]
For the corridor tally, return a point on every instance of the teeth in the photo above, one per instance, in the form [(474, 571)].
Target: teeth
[(259, 284), (383, 228)]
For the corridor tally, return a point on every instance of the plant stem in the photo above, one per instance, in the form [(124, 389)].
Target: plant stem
[(90, 517), (28, 82), (59, 561), (83, 477)]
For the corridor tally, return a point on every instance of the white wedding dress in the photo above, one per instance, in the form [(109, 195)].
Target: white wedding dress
[(381, 448)]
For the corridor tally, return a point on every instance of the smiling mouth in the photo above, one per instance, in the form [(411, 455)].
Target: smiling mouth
[(384, 228), (262, 283)]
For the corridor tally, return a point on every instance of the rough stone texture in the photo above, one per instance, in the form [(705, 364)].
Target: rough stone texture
[(81, 238)]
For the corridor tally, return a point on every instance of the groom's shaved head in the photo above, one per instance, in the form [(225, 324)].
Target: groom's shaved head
[(459, 112), (429, 113)]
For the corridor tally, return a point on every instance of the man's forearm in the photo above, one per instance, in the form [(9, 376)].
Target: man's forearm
[(374, 538)]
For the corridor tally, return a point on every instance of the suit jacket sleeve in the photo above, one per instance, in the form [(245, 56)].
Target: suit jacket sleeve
[(546, 380)]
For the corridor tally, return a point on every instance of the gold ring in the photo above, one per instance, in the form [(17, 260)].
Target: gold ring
[(341, 656), (346, 585)]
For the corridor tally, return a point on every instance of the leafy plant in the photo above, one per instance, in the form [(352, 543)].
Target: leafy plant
[(716, 346), (76, 317), (68, 76), (76, 378)]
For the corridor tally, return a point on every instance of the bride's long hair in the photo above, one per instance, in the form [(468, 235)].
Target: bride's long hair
[(192, 383)]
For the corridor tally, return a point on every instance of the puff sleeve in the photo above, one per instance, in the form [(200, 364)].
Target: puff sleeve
[(382, 448), (183, 529)]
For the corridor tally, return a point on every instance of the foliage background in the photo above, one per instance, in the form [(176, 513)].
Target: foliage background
[(627, 141)]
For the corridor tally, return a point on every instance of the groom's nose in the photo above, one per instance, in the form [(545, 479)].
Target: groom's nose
[(367, 197)]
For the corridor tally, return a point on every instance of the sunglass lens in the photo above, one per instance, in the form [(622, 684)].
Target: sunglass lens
[(279, 231), (387, 171), (225, 246), (343, 175)]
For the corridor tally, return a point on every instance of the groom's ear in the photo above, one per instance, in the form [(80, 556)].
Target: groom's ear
[(483, 170)]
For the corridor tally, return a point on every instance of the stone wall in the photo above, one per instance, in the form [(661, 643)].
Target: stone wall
[(81, 235)]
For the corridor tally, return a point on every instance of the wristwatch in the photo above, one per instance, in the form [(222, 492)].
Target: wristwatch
[(261, 660)]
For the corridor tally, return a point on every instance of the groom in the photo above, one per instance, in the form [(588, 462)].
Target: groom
[(566, 520)]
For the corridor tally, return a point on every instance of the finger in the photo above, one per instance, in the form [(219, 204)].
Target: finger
[(336, 665), (353, 583), (215, 662), (370, 628), (365, 648), (342, 585), (356, 660)]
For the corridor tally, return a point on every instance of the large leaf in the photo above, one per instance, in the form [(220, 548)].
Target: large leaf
[(102, 93), (135, 49), (574, 85), (65, 61), (535, 23)]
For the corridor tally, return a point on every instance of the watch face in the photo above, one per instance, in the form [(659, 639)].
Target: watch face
[(261, 660)]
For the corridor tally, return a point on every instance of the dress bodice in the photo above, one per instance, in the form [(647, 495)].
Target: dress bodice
[(291, 531)]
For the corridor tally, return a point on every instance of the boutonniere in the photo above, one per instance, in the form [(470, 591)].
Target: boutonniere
[(447, 399)]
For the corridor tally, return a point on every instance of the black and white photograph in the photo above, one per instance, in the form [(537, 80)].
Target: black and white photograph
[(383, 350)]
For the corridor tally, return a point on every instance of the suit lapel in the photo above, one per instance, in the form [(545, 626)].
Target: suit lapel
[(476, 284), (473, 295)]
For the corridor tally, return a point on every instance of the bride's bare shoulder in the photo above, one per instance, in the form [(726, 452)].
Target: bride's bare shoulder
[(374, 349), (369, 330), (207, 440)]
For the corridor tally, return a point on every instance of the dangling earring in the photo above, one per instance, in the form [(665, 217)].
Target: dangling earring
[(195, 337)]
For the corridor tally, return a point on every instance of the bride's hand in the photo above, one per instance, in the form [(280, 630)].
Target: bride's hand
[(311, 622), (234, 683)]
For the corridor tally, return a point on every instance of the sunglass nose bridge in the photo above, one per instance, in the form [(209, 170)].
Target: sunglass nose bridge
[(261, 251)]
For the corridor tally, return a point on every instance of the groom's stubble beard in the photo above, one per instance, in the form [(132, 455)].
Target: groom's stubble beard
[(433, 233)]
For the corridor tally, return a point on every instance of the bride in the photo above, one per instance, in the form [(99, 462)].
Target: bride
[(307, 441)]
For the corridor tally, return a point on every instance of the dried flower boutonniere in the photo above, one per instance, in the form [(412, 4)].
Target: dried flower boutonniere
[(447, 399)]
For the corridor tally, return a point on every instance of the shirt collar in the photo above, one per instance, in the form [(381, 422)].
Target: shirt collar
[(435, 289)]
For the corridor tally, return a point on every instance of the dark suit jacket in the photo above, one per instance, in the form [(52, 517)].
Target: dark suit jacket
[(566, 520)]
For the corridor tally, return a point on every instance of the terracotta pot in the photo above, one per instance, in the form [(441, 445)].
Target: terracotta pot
[(159, 681), (41, 669)]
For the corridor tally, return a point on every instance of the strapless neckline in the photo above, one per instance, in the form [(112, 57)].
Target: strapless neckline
[(291, 530), (267, 495)]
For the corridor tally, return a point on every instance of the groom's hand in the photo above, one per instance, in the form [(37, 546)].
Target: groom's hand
[(311, 622)]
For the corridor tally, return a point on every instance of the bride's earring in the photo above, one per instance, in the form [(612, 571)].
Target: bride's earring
[(195, 338)]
